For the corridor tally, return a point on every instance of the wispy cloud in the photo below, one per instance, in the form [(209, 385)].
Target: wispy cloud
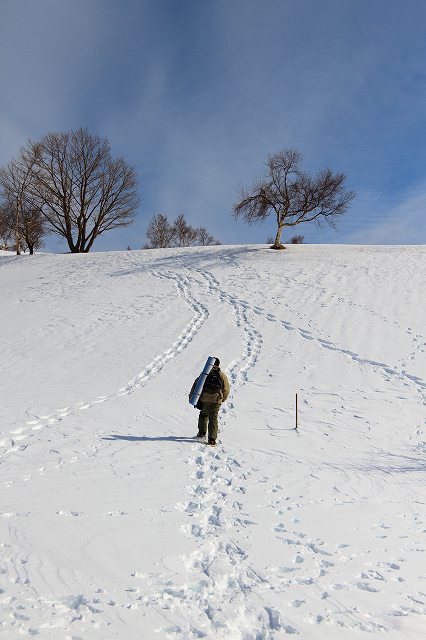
[(197, 94), (404, 223)]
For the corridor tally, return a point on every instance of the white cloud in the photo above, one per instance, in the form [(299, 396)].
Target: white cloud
[(196, 95), (403, 224)]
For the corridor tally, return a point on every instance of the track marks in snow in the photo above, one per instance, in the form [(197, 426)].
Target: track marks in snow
[(317, 566), (221, 570), (182, 341), (30, 614), (216, 602), (328, 296), (252, 339), (153, 368)]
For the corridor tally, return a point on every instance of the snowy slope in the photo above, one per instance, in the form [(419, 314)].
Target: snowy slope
[(115, 523)]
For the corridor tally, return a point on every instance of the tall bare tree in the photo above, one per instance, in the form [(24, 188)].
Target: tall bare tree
[(28, 229), (6, 231), (15, 179), (32, 228), (292, 196), (80, 188)]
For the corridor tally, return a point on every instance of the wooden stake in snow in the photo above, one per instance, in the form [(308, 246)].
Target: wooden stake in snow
[(296, 412)]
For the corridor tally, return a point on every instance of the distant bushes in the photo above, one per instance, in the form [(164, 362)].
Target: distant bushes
[(293, 240), (164, 234)]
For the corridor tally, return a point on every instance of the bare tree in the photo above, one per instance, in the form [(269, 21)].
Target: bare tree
[(205, 238), (28, 228), (15, 179), (32, 228), (293, 196), (81, 190), (6, 231), (161, 233), (185, 235)]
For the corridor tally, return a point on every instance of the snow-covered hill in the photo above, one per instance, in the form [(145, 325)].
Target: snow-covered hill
[(116, 523)]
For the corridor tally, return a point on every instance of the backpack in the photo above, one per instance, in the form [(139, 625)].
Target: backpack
[(213, 383)]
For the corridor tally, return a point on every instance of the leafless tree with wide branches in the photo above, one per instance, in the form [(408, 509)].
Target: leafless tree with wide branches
[(81, 190), (292, 196)]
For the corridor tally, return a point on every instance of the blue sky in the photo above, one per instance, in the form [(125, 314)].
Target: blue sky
[(196, 93)]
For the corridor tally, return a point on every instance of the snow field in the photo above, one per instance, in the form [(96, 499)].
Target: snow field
[(115, 523)]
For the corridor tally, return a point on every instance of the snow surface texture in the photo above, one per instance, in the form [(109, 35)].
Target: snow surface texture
[(116, 523)]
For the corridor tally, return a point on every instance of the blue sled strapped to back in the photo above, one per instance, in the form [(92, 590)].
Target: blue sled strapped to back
[(201, 380)]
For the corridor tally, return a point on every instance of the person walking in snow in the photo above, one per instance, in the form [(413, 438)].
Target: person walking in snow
[(215, 391)]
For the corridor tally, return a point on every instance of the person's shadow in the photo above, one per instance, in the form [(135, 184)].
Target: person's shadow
[(115, 436)]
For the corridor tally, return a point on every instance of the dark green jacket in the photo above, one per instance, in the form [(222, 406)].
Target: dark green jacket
[(214, 398)]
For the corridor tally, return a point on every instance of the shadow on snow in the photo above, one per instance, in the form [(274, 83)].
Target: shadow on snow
[(115, 436), (208, 257), (391, 463)]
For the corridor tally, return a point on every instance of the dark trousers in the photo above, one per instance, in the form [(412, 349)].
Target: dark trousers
[(208, 417)]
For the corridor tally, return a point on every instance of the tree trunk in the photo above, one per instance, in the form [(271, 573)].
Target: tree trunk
[(277, 243), (17, 239)]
